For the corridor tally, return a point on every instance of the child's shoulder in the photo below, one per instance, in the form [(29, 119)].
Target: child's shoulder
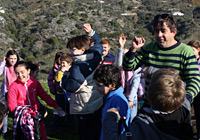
[(118, 95)]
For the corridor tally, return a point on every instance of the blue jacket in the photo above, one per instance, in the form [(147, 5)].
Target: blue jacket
[(85, 97), (116, 99), (108, 59)]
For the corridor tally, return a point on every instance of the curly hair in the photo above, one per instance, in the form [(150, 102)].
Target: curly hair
[(108, 74)]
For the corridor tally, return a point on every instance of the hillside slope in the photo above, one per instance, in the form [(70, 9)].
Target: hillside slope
[(40, 28)]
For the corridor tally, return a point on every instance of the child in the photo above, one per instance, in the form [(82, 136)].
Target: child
[(52, 72), (108, 81), (61, 99), (7, 68), (107, 57), (130, 79), (24, 91), (168, 117), (196, 48), (85, 100), (35, 68)]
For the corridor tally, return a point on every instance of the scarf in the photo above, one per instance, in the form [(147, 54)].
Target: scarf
[(11, 77)]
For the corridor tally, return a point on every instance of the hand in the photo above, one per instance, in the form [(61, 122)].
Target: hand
[(137, 43), (87, 28), (63, 69), (115, 110), (60, 112), (130, 103), (58, 109), (122, 41), (4, 59)]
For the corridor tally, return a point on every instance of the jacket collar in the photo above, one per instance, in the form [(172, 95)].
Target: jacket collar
[(25, 81), (111, 93)]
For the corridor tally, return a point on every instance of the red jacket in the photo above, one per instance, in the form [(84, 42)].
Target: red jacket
[(18, 94)]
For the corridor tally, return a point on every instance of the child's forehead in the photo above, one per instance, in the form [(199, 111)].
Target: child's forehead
[(20, 68)]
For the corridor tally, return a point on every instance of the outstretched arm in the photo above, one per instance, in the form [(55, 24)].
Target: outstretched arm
[(120, 50)]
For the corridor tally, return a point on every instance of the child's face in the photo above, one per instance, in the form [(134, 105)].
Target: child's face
[(65, 64), (196, 52), (106, 48), (103, 90), (22, 73), (12, 59)]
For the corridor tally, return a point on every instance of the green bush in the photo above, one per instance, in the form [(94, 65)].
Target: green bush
[(54, 40), (29, 58)]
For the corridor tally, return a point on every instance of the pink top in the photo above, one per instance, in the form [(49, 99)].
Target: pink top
[(11, 76), (19, 95), (128, 84)]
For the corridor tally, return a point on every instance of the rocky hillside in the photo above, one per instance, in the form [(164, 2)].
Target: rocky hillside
[(40, 28)]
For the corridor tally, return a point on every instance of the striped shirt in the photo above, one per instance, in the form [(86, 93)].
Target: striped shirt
[(179, 56), (108, 59)]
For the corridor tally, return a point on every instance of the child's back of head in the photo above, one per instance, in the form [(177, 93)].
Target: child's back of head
[(34, 67), (79, 42), (166, 91), (108, 75)]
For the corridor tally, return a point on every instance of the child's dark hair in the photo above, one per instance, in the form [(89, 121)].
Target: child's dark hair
[(11, 52), (108, 74), (166, 91), (79, 42), (165, 18), (57, 56), (22, 63), (66, 57), (3, 112), (194, 43), (34, 66)]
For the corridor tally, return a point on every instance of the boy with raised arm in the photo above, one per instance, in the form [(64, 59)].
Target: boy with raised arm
[(85, 100)]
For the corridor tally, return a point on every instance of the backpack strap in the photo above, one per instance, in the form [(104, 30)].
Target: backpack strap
[(127, 131)]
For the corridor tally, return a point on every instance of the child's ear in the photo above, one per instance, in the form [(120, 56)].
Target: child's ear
[(83, 49), (29, 70), (113, 86)]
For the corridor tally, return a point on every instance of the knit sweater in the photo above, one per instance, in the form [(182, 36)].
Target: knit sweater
[(179, 56)]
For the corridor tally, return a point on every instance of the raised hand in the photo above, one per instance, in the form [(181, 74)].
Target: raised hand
[(87, 28), (130, 103), (137, 43), (122, 41), (4, 59)]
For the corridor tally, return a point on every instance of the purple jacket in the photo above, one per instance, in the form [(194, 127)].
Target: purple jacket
[(51, 79)]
